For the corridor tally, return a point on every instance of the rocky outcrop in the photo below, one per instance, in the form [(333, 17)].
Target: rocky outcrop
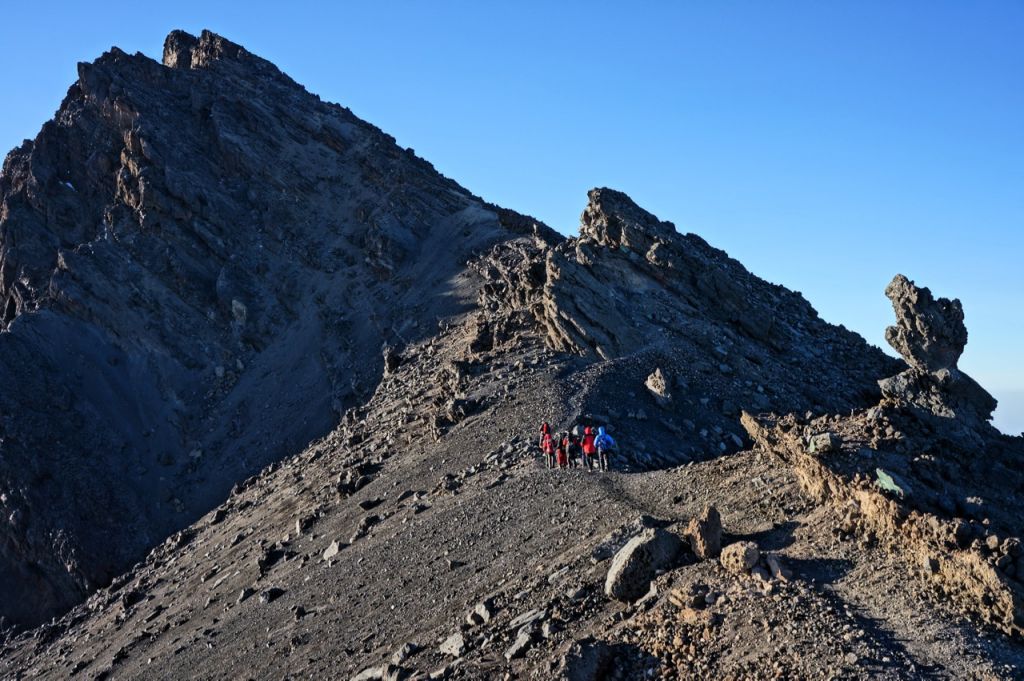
[(705, 533), (922, 473), (939, 530), (701, 337), (930, 335)]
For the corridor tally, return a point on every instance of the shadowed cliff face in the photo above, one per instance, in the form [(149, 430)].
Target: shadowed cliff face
[(199, 264)]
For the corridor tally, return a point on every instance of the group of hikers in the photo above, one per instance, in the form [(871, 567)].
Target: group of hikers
[(572, 449)]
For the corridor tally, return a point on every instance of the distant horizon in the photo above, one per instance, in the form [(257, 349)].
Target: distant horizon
[(826, 149)]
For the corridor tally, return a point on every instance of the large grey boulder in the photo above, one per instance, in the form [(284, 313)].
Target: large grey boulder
[(637, 563)]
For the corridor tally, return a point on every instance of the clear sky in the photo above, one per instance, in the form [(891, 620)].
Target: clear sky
[(826, 145)]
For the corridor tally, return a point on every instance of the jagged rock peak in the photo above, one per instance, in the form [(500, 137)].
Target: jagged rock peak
[(613, 219), (929, 333), (183, 50)]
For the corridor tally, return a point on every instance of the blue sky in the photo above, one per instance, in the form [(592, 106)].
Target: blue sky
[(826, 146)]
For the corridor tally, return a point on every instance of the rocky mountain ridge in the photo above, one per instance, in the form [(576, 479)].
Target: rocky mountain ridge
[(787, 501), (180, 238)]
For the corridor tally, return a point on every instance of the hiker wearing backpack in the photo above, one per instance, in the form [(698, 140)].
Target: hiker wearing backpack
[(545, 429), (589, 449), (547, 445), (561, 455), (574, 450), (604, 444)]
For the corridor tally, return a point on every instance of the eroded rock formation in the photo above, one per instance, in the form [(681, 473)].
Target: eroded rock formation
[(930, 335)]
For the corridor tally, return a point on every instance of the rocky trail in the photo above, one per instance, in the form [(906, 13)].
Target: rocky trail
[(787, 501)]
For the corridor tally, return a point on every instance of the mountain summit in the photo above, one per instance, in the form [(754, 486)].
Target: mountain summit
[(199, 265)]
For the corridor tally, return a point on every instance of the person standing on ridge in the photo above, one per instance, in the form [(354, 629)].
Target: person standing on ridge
[(547, 445), (589, 450), (573, 450), (604, 443), (562, 456), (545, 429)]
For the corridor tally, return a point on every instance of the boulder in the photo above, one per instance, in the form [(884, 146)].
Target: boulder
[(740, 557), (705, 533), (930, 335), (638, 562)]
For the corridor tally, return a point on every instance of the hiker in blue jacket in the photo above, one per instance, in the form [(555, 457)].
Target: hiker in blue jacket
[(604, 443)]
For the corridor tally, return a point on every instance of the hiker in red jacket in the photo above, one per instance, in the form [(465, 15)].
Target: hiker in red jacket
[(547, 445), (589, 449), (561, 453), (545, 429)]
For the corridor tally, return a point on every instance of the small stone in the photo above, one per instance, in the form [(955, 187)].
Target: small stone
[(369, 674), (246, 592), (405, 652), (705, 533), (270, 595), (658, 386), (522, 643), (527, 618), (740, 557), (485, 610), (454, 645), (332, 550), (824, 443)]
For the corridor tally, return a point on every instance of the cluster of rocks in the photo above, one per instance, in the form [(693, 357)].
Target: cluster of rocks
[(923, 472)]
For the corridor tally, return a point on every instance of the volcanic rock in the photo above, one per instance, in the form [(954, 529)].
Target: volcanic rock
[(705, 533), (930, 335), (740, 557), (658, 386), (636, 563), (178, 237)]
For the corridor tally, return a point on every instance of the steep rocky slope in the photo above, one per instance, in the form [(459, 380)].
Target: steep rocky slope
[(869, 513), (199, 264)]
